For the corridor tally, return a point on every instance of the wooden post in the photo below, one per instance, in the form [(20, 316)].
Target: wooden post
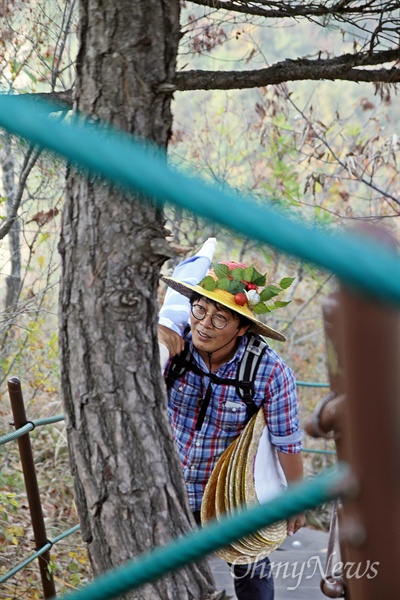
[(31, 484), (363, 355), (371, 348)]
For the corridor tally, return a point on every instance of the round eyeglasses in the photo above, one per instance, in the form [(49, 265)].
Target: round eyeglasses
[(199, 313)]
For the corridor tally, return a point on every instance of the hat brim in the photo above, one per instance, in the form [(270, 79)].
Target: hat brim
[(226, 299)]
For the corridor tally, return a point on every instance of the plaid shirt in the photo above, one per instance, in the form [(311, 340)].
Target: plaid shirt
[(275, 388)]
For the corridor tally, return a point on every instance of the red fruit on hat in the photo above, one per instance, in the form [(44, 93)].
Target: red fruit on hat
[(240, 298), (251, 286)]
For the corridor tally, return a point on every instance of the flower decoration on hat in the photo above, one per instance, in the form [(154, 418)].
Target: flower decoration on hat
[(247, 286)]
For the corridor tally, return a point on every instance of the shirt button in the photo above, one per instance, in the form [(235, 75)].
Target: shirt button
[(198, 444), (180, 388), (233, 409), (192, 467)]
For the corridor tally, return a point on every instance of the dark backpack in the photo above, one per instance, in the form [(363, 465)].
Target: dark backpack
[(246, 372)]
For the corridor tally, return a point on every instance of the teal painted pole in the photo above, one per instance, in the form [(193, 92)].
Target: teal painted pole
[(312, 384), (30, 426)]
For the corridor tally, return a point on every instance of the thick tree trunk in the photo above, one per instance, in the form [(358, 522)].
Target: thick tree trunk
[(128, 481)]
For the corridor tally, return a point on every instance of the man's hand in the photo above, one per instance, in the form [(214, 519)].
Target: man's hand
[(295, 523), (172, 340)]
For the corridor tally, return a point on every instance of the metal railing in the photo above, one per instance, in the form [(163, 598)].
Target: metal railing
[(38, 525)]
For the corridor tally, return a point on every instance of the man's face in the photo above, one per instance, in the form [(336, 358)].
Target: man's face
[(206, 337)]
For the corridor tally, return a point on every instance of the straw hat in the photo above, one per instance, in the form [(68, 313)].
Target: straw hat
[(244, 296), (238, 480)]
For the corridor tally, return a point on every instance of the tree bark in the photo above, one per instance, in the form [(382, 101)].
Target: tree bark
[(129, 489), (13, 281)]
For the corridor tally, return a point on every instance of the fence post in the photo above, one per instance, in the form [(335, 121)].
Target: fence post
[(371, 335), (31, 484)]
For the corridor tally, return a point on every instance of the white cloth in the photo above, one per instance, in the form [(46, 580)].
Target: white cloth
[(175, 310), (269, 478)]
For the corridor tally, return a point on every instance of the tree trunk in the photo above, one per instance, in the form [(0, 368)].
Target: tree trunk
[(13, 281), (128, 482)]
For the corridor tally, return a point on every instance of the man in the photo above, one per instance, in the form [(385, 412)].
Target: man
[(207, 412)]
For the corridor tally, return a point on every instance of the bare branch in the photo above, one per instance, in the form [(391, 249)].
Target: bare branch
[(343, 67), (309, 301), (63, 99), (61, 41), (210, 80), (29, 161), (285, 9), (368, 182)]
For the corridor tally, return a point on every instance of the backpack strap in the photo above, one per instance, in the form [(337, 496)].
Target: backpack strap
[(247, 370), (244, 381), (180, 364)]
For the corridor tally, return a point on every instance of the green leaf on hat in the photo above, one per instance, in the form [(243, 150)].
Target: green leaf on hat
[(248, 274), (236, 286), (220, 270), (258, 278), (286, 282), (237, 273), (223, 283), (260, 308), (269, 292), (280, 304), (208, 283)]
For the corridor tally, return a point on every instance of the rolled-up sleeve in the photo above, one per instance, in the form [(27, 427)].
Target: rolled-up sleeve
[(281, 409)]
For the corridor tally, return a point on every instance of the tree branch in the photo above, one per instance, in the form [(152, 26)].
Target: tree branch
[(209, 80), (338, 68), (279, 10), (63, 100), (343, 68)]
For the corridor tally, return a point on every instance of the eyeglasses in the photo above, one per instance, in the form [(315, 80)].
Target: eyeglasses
[(199, 313)]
